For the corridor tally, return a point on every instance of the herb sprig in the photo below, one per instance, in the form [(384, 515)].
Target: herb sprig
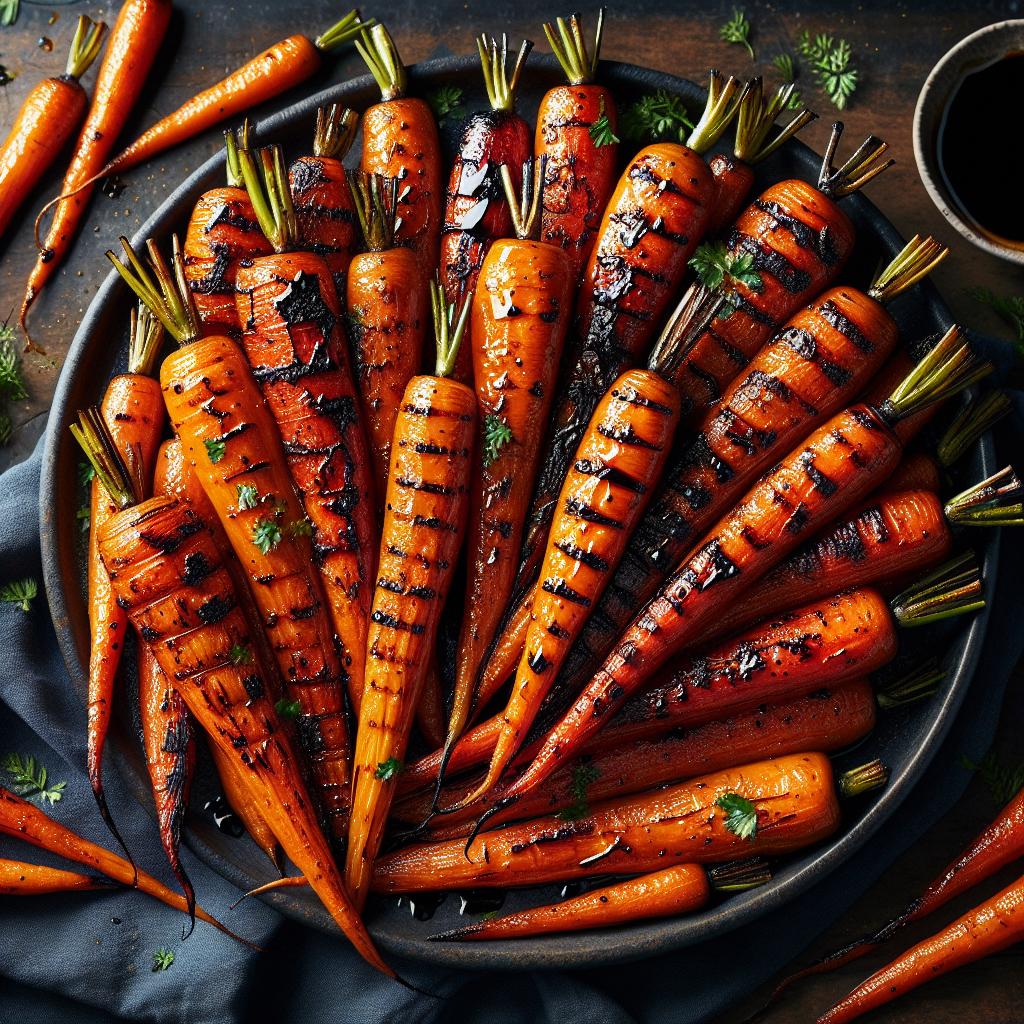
[(389, 769), (497, 433), (737, 31), (30, 780), (20, 592), (740, 815), (583, 775), (162, 959), (830, 61), (601, 130), (1003, 782), (657, 117), (287, 708), (446, 102), (12, 380)]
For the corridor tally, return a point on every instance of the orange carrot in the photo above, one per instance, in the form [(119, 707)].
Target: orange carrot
[(18, 879), (134, 42), (430, 710), (427, 508), (917, 471)]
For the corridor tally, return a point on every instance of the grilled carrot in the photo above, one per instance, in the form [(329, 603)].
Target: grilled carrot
[(50, 113), (430, 710), (988, 928), (230, 438), (795, 802), (838, 464), (169, 742), (675, 890), (222, 232), (320, 193), (427, 508), (22, 820), (133, 411), (400, 141), (917, 471), (520, 316), (295, 345), (476, 209), (576, 133), (18, 879), (134, 42), (388, 299)]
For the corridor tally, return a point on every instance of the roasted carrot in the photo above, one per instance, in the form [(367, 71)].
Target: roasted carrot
[(400, 141), (430, 710), (426, 511), (43, 125), (476, 209), (134, 42), (22, 820), (795, 803), (18, 879), (295, 345), (133, 411), (828, 719), (988, 928), (917, 471), (320, 193), (675, 890), (166, 569), (837, 465), (576, 133), (388, 299), (169, 743), (231, 439), (520, 316), (222, 231)]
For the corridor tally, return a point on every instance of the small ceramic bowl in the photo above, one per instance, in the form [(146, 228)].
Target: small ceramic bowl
[(977, 50)]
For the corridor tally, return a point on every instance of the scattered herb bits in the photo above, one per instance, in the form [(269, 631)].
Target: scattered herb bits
[(740, 815), (389, 769), (162, 959), (831, 63), (497, 433), (446, 102), (20, 592), (737, 31)]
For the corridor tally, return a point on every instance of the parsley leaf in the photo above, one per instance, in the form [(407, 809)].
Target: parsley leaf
[(162, 959), (582, 776), (266, 535), (30, 779), (740, 815), (715, 264), (288, 708), (12, 382), (86, 474), (831, 63), (240, 655), (9, 11), (1002, 781), (20, 592), (497, 433), (215, 448), (300, 528), (84, 517), (446, 102), (737, 31), (1009, 307), (248, 496), (389, 769), (660, 117), (601, 130)]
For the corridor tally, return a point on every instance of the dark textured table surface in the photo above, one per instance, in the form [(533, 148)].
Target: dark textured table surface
[(895, 44)]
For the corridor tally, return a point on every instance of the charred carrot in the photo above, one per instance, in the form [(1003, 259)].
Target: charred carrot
[(295, 345), (427, 508), (18, 879), (988, 928), (520, 315), (917, 471), (166, 570), (476, 208), (321, 196), (576, 134), (675, 890), (388, 299), (43, 125), (837, 465), (231, 439), (430, 710), (133, 410), (794, 801), (400, 141), (134, 42)]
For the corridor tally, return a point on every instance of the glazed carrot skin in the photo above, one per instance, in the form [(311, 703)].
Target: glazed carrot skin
[(507, 651), (675, 890), (988, 928), (826, 720), (22, 820), (166, 569), (796, 805), (426, 511), (169, 742), (294, 343), (211, 396), (18, 879), (430, 711), (134, 42), (222, 232), (734, 179), (917, 471)]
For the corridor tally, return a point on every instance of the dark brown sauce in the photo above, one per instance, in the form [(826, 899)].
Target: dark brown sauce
[(981, 147)]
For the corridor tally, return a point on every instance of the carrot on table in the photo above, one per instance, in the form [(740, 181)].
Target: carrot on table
[(134, 42), (424, 524), (19, 879)]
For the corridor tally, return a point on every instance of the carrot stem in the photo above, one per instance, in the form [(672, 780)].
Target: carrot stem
[(698, 307), (864, 779), (501, 90), (449, 327), (981, 505), (979, 415), (376, 203), (378, 49), (85, 47), (526, 208), (915, 686), (571, 51), (740, 875), (122, 483), (857, 171), (721, 107), (757, 117), (144, 342), (336, 128), (915, 260), (270, 195), (953, 589), (343, 31)]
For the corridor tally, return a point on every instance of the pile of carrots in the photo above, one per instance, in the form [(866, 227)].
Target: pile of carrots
[(669, 545)]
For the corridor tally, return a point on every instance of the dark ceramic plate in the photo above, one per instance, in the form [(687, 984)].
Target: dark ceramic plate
[(905, 741)]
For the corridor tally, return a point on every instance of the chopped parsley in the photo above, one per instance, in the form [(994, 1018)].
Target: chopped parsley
[(240, 655), (497, 433), (162, 959), (740, 815), (659, 117), (737, 31), (446, 102), (266, 535), (831, 64), (288, 708), (248, 496), (389, 769), (215, 449), (601, 130)]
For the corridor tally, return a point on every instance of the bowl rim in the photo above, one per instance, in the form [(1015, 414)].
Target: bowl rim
[(926, 160)]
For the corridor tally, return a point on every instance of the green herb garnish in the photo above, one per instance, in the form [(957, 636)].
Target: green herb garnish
[(1009, 307), (737, 31), (20, 592), (216, 448), (489, 915), (287, 708), (1003, 782), (831, 64), (715, 264), (389, 769), (12, 382), (740, 815), (240, 655), (86, 474), (582, 776), (248, 496), (497, 433), (30, 779), (266, 535), (162, 959), (660, 117), (601, 130), (446, 102), (9, 11), (300, 528), (84, 517)]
